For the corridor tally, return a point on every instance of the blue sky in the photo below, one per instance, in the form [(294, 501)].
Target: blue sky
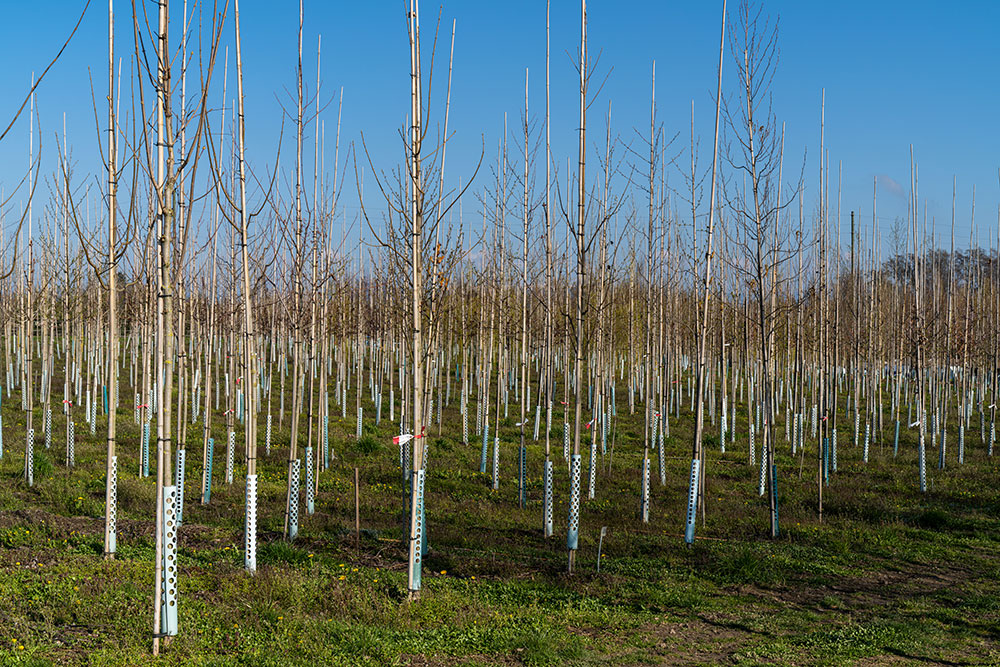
[(895, 73)]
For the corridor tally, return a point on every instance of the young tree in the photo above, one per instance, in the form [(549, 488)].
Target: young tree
[(761, 243), (695, 485)]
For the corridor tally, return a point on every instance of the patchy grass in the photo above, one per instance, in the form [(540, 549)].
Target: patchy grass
[(891, 576)]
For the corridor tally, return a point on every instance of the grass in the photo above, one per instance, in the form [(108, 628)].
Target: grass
[(891, 576)]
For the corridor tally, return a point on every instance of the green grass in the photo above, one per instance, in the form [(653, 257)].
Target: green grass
[(891, 576)]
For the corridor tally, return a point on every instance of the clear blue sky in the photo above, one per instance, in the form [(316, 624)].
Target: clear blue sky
[(895, 73)]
